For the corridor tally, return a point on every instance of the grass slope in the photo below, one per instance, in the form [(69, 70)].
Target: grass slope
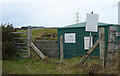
[(37, 66), (36, 33), (70, 66)]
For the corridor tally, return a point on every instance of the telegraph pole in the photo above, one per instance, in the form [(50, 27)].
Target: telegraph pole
[(77, 17)]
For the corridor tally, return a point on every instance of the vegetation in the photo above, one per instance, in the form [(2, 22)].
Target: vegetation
[(37, 66), (37, 34), (8, 46)]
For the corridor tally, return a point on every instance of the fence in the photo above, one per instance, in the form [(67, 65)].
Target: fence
[(117, 37), (76, 44), (80, 43), (80, 47), (21, 44)]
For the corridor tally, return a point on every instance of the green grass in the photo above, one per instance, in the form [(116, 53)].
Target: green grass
[(69, 66), (27, 66), (77, 60), (37, 66)]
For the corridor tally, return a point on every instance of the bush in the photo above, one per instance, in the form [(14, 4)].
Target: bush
[(9, 49)]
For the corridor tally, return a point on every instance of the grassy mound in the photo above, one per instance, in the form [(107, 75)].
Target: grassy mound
[(36, 33)]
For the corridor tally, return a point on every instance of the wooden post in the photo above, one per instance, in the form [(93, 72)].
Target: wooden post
[(102, 45), (38, 51), (89, 52), (111, 45), (29, 41), (61, 49)]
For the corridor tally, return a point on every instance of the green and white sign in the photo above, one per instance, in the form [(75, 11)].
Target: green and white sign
[(70, 38)]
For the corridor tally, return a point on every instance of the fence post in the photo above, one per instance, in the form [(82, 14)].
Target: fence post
[(61, 49), (102, 45), (111, 45), (29, 41), (89, 52)]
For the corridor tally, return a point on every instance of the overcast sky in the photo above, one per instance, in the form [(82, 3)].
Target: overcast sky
[(56, 12)]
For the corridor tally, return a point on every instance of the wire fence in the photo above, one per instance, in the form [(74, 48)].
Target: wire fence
[(117, 37), (70, 50), (78, 49), (75, 49)]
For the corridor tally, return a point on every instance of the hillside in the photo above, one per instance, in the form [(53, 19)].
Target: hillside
[(37, 33)]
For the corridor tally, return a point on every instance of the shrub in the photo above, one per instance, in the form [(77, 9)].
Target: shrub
[(9, 49)]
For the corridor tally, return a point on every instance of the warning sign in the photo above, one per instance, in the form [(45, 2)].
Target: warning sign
[(92, 22)]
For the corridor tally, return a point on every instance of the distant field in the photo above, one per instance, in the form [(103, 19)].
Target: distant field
[(36, 33)]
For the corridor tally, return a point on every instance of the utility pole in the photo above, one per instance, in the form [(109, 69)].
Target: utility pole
[(77, 17)]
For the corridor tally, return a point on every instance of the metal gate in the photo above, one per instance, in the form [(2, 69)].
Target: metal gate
[(22, 44)]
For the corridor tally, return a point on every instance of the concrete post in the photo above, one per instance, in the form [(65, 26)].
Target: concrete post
[(111, 45), (102, 45), (29, 41)]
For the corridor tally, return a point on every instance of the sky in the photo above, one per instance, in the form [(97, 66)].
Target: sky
[(56, 13)]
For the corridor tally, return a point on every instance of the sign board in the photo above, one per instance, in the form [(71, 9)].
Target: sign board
[(87, 42), (70, 38), (92, 22)]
